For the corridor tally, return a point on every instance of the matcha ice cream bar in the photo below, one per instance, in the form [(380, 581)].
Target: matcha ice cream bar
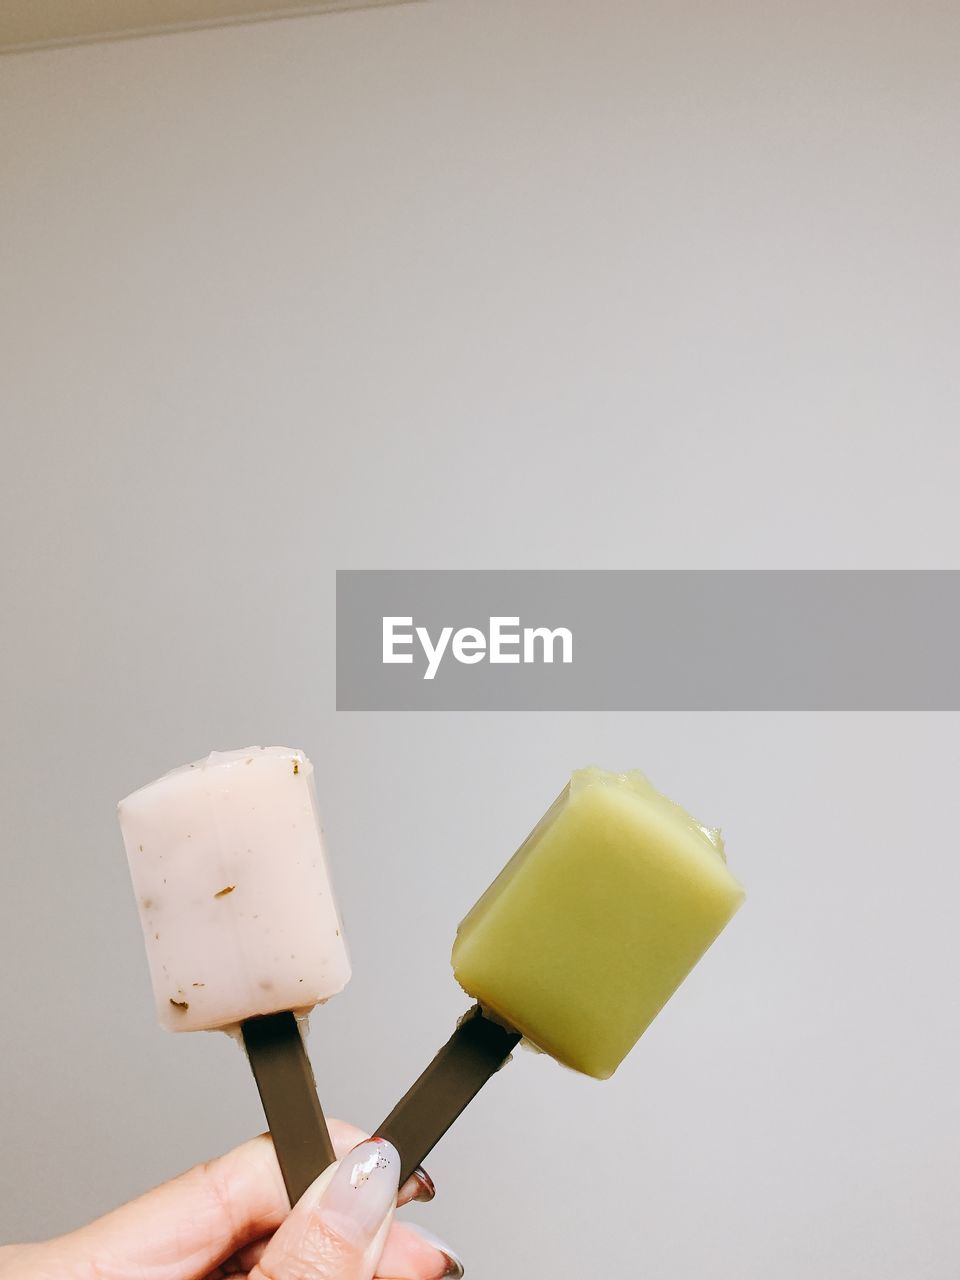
[(579, 942), (240, 922)]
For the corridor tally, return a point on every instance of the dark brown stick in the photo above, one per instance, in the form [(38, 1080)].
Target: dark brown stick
[(288, 1092), (476, 1051)]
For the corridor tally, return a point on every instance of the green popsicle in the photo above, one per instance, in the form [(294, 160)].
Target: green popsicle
[(576, 946), (596, 920)]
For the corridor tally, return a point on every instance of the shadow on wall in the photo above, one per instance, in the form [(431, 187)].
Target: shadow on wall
[(46, 23)]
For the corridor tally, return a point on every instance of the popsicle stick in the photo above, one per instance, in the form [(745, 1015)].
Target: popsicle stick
[(288, 1092), (476, 1051)]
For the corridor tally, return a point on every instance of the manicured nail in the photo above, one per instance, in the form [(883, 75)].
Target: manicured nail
[(419, 1186), (454, 1264), (361, 1193)]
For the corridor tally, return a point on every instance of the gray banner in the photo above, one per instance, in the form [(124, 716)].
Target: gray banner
[(443, 640)]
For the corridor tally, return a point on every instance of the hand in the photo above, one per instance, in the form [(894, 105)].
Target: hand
[(230, 1218)]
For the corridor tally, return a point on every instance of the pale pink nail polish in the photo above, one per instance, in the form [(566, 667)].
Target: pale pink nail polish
[(361, 1193)]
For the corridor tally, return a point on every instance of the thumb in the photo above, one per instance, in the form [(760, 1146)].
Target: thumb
[(337, 1229)]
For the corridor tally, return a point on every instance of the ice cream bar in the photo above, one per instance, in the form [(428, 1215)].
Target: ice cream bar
[(596, 920), (579, 942), (232, 885), (240, 922)]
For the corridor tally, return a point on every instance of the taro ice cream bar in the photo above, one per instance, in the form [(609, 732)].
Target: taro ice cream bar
[(231, 879)]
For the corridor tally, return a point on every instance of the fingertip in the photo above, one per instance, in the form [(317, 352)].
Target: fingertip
[(419, 1186), (340, 1224), (413, 1253)]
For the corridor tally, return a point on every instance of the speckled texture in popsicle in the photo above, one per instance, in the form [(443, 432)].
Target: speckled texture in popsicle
[(233, 889)]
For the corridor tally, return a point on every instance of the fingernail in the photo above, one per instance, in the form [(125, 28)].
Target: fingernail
[(362, 1192), (419, 1186), (454, 1264)]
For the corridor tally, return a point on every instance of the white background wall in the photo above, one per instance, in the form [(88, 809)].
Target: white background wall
[(511, 283)]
